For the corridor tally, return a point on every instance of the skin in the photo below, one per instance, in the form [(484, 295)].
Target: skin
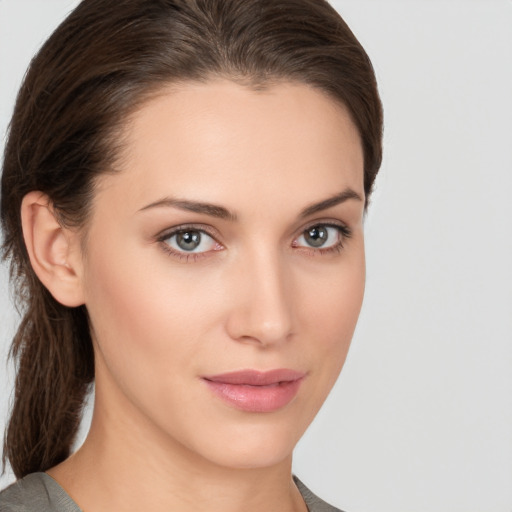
[(258, 296)]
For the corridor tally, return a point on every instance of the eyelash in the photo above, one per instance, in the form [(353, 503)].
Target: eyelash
[(344, 233), (185, 256)]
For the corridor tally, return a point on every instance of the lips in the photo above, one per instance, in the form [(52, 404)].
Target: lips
[(256, 391)]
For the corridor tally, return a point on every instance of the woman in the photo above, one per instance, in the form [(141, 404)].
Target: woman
[(183, 192)]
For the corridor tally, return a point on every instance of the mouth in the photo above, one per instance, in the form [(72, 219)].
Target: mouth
[(256, 391)]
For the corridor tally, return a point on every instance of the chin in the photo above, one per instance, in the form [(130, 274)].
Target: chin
[(253, 445), (254, 455)]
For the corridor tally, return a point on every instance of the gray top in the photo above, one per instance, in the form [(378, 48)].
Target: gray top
[(39, 492)]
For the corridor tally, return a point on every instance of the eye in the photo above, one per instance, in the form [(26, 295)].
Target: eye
[(190, 241), (324, 237)]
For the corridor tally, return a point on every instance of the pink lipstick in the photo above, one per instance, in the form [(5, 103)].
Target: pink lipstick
[(256, 391)]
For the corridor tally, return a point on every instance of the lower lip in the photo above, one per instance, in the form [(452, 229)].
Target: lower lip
[(256, 398)]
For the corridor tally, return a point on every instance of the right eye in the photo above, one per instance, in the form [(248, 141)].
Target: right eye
[(190, 241)]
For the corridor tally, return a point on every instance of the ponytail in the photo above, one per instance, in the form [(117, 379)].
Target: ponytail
[(55, 367)]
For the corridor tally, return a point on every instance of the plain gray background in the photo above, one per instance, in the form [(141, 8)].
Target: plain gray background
[(421, 418)]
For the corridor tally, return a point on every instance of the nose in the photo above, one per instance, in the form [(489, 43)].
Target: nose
[(261, 302)]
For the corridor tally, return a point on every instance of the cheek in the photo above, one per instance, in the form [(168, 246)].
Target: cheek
[(328, 305), (330, 308), (148, 318), (148, 337), (335, 299), (129, 308)]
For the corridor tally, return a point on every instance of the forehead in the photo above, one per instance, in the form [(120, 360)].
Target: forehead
[(227, 143)]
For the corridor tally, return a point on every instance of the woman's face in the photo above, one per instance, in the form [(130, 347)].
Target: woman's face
[(224, 269)]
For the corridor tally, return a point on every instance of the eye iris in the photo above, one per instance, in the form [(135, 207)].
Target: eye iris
[(316, 236), (188, 240)]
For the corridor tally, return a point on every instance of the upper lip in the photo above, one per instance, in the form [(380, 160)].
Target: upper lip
[(257, 377)]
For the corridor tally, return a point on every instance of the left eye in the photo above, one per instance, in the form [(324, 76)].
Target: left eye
[(320, 236), (190, 240)]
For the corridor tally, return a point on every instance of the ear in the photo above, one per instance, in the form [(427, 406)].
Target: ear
[(54, 251)]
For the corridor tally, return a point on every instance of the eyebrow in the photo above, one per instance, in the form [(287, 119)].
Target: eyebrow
[(347, 194), (212, 210), (220, 212)]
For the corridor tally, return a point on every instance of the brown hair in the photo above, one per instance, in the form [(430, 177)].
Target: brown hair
[(99, 65)]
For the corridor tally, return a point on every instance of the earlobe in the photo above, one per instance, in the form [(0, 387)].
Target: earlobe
[(53, 250)]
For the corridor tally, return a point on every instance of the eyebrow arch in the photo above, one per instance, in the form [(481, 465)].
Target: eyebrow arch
[(347, 194), (193, 206)]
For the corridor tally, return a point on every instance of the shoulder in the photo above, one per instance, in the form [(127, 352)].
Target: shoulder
[(37, 492), (313, 502), (29, 494)]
